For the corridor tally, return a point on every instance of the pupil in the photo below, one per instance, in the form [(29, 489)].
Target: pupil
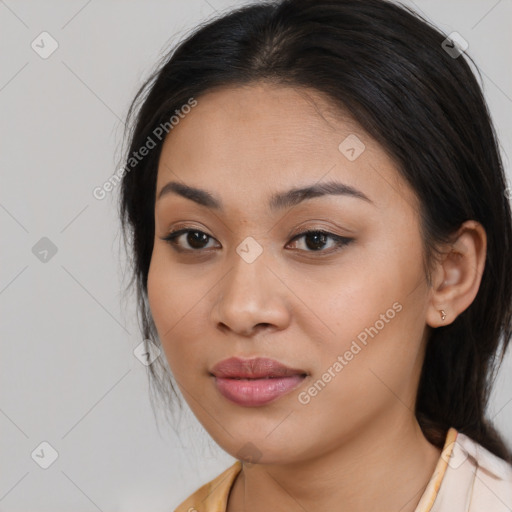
[(319, 240), (196, 239)]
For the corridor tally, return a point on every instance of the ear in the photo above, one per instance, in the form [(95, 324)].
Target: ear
[(457, 275)]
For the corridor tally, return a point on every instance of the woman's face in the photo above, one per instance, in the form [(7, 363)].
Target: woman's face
[(348, 312)]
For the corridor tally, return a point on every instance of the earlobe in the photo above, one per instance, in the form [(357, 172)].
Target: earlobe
[(457, 275)]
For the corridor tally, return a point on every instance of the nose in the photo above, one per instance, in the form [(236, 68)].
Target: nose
[(251, 298)]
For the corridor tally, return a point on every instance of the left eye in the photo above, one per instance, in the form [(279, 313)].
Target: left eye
[(315, 241)]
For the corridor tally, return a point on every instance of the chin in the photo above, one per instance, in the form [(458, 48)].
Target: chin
[(259, 450)]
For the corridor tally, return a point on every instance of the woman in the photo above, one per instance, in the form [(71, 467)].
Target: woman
[(321, 240)]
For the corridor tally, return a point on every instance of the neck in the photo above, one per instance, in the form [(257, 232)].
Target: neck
[(389, 466)]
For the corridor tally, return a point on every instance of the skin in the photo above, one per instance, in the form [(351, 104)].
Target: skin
[(357, 443)]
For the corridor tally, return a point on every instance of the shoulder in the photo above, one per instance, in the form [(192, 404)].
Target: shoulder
[(476, 480), (212, 496), (492, 489)]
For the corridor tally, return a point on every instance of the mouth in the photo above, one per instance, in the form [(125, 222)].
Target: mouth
[(255, 382)]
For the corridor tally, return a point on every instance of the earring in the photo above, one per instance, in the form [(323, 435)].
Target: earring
[(443, 314)]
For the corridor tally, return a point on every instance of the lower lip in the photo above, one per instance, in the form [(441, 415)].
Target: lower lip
[(255, 392)]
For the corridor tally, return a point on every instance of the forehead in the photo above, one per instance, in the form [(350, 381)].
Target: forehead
[(261, 110), (265, 136)]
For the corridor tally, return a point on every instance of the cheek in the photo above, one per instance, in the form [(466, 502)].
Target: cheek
[(175, 304), (370, 307)]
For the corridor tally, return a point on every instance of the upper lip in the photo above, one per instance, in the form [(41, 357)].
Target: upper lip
[(256, 368)]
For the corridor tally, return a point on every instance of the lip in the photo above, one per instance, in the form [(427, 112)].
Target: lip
[(255, 382)]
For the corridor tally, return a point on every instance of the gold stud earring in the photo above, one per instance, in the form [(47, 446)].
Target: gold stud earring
[(443, 314)]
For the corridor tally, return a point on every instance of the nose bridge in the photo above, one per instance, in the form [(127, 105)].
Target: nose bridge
[(247, 282)]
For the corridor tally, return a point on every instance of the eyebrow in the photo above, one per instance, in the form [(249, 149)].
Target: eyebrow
[(278, 201)]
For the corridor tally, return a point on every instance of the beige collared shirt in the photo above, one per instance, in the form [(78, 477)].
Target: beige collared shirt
[(467, 478)]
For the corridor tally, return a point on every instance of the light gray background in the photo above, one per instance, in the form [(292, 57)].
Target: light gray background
[(68, 373)]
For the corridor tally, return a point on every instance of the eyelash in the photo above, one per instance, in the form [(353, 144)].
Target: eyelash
[(340, 241)]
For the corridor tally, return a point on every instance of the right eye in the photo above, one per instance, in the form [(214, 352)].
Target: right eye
[(195, 239)]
